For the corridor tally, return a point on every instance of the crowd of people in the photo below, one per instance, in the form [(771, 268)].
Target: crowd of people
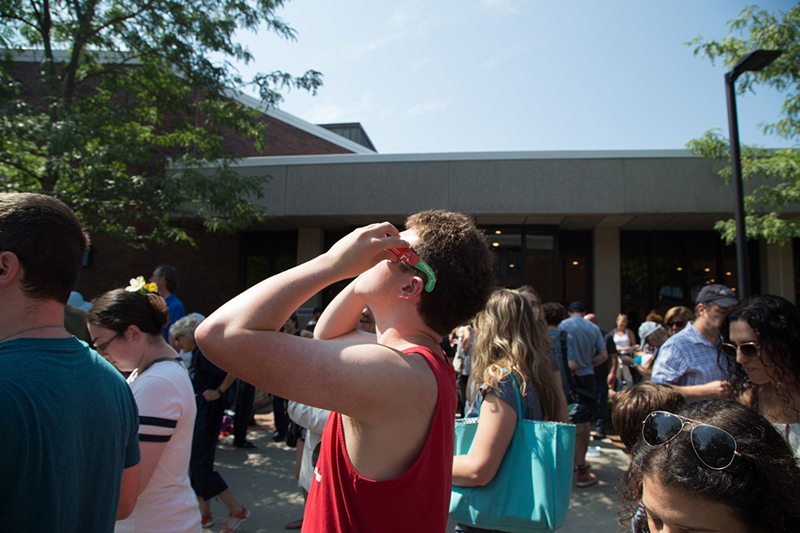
[(707, 403)]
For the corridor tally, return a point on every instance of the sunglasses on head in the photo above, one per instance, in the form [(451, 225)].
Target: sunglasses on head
[(676, 324), (748, 349), (716, 448), (409, 257)]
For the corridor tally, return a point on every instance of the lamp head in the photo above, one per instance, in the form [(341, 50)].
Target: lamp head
[(755, 61)]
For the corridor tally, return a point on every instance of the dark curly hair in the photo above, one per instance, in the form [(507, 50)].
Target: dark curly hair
[(118, 309), (457, 252), (776, 321), (763, 493)]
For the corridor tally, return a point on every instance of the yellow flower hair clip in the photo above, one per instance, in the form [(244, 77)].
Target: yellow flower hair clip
[(141, 286)]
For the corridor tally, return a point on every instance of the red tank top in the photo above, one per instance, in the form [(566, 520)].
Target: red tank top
[(342, 501)]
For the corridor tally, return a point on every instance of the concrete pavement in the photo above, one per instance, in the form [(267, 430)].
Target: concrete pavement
[(263, 480)]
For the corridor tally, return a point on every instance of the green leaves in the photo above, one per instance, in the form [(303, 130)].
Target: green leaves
[(779, 170), (131, 122)]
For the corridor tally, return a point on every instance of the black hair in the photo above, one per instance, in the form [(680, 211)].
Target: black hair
[(762, 488), (47, 238), (170, 275), (776, 321), (118, 309)]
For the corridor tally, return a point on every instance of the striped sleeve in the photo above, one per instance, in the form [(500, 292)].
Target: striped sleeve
[(159, 405)]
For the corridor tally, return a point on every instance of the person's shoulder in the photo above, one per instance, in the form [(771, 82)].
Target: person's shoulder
[(165, 372), (567, 323)]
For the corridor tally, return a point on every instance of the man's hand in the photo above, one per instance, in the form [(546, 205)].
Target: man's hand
[(720, 390), (364, 248)]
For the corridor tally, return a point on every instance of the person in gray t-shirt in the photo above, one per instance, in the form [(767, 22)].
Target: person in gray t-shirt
[(590, 350)]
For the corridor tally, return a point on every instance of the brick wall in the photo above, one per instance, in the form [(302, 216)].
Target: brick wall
[(281, 138), (207, 272)]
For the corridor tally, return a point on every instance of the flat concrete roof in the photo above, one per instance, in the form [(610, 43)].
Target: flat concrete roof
[(575, 190)]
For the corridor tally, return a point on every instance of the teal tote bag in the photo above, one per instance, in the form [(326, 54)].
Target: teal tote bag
[(532, 487)]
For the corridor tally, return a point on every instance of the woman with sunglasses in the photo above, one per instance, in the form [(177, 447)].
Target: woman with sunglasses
[(510, 351), (714, 466), (677, 318), (125, 327), (761, 341)]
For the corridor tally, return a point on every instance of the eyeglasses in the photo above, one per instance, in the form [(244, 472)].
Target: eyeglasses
[(748, 349), (676, 324), (407, 256), (716, 448), (102, 347)]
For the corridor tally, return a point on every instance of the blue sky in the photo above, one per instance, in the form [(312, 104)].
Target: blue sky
[(512, 75)]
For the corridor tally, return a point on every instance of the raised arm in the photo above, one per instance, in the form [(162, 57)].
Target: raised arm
[(242, 337), (340, 318)]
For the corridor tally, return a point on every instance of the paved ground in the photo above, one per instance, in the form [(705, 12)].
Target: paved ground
[(263, 480)]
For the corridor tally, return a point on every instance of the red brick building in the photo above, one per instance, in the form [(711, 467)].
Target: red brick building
[(211, 272)]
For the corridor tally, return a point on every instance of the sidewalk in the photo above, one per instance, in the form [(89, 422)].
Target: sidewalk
[(263, 480)]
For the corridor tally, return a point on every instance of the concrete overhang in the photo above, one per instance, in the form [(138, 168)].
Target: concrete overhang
[(630, 190)]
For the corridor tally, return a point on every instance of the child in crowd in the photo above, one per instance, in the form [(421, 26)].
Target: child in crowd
[(632, 405)]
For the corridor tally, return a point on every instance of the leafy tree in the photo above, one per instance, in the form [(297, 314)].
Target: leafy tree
[(132, 123), (778, 170)]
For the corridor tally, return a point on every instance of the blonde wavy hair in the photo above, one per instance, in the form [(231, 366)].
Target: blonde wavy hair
[(509, 336)]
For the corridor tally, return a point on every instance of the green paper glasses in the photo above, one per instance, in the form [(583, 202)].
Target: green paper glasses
[(407, 256)]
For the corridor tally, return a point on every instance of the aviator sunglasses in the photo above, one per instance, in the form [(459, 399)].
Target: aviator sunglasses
[(716, 448), (407, 256), (748, 349)]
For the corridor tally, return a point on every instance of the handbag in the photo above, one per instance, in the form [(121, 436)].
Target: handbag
[(532, 487)]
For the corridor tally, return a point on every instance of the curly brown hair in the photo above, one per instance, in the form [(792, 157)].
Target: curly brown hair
[(775, 320), (457, 252)]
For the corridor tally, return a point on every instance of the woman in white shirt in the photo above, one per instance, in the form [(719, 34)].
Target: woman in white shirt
[(125, 327)]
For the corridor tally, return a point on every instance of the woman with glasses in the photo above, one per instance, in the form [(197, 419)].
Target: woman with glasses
[(125, 327), (677, 318), (761, 341), (714, 466)]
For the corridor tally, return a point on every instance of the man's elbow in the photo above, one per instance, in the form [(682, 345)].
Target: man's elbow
[(208, 336), (124, 511)]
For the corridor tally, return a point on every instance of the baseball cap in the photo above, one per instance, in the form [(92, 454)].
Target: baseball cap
[(647, 329), (717, 294), (577, 307)]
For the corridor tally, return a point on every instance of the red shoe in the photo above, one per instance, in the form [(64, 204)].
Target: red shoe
[(234, 519), (207, 520), (584, 477)]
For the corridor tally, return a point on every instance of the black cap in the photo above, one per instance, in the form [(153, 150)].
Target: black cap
[(717, 294), (577, 307)]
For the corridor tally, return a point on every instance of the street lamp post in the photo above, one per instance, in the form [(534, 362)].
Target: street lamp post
[(753, 61)]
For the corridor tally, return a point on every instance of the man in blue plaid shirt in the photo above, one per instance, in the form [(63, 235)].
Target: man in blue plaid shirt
[(688, 360)]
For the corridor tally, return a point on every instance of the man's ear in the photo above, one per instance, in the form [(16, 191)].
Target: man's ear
[(412, 289), (9, 268)]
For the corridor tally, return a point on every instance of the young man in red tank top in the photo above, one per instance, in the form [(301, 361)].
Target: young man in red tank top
[(387, 451)]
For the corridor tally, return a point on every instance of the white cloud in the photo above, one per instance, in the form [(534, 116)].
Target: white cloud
[(501, 6), (324, 114), (504, 56), (422, 109), (331, 113)]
